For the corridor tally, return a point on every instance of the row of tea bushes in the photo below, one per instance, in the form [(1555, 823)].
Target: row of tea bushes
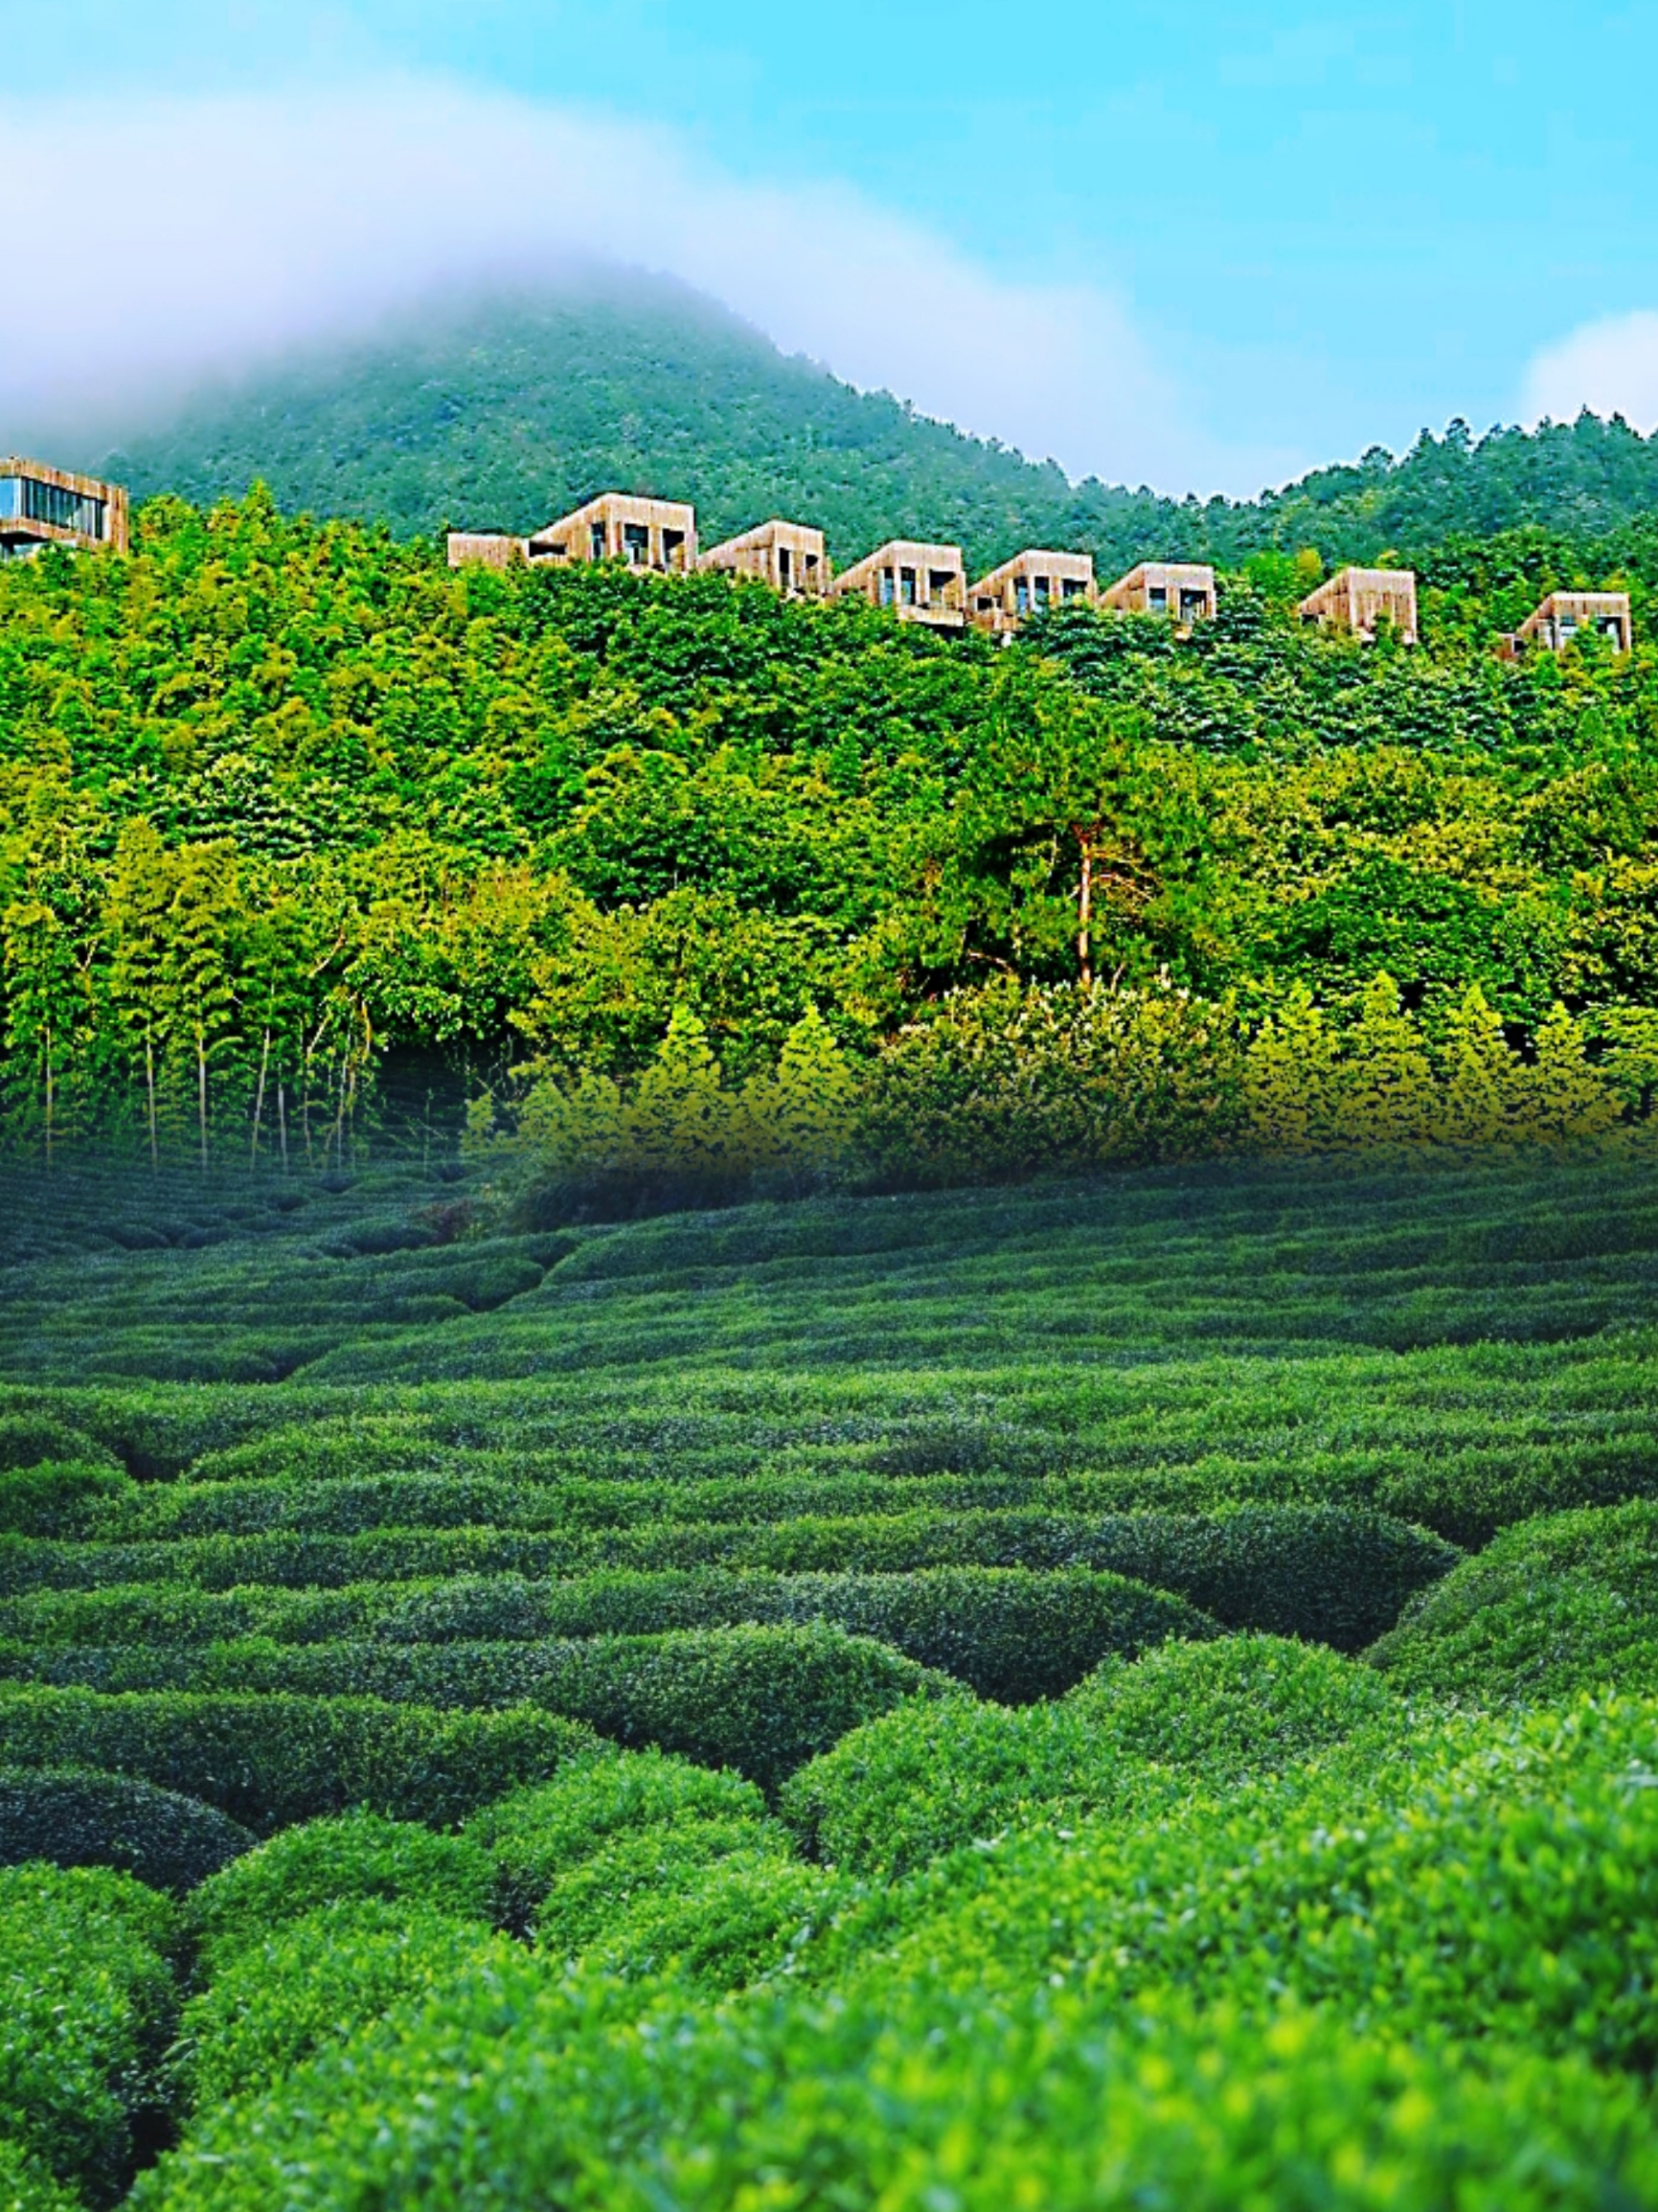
[(1005, 1632), (1559, 1605), (1352, 1985), (81, 1817), (761, 1699), (90, 2005), (267, 1761), (1334, 1574), (925, 1779)]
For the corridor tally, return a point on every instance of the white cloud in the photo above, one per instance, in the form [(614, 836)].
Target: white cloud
[(1610, 367), (147, 244)]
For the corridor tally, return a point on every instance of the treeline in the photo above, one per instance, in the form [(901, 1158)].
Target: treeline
[(280, 799), (500, 412)]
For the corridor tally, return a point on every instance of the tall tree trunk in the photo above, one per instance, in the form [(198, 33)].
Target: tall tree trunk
[(201, 1092), (282, 1122), (1085, 915), (49, 1093), (259, 1101), (149, 1097)]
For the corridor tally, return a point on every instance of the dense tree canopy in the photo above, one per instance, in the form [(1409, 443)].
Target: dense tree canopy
[(280, 797), (501, 411)]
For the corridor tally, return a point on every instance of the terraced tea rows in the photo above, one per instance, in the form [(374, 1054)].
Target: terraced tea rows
[(910, 1524)]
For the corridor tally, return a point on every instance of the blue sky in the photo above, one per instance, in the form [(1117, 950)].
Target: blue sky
[(1258, 237)]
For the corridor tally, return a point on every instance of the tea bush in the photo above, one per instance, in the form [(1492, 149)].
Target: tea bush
[(79, 1818), (1565, 1603), (315, 1979), (356, 1857), (603, 1672), (925, 1779), (27, 2186), (1335, 1573), (270, 1761), (537, 1835), (715, 1925), (90, 2003)]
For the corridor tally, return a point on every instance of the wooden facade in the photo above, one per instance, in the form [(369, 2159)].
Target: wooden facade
[(486, 549), (1357, 600), (788, 556), (913, 579), (1182, 589), (1028, 584), (40, 505), (656, 534), (1556, 622)]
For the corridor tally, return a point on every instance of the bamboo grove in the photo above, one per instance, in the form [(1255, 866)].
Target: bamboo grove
[(281, 801)]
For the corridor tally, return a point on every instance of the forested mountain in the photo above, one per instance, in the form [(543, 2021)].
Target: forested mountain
[(500, 412)]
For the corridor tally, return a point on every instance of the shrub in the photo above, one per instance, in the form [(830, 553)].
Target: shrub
[(534, 1835), (314, 1979), (270, 1761), (26, 2186), (1246, 1705), (89, 2009), (1493, 1878), (588, 1898), (61, 1497), (1008, 1633), (1565, 1603), (29, 1438), (928, 1779), (522, 2095), (1007, 1081), (716, 1924), (761, 1699), (1338, 1574), (87, 1819), (356, 1857)]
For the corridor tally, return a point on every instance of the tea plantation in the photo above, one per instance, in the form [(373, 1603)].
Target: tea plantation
[(1139, 1693)]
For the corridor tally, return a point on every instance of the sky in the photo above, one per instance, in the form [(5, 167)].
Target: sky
[(1203, 248)]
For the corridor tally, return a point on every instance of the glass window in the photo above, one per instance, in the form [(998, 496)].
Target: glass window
[(1158, 597), (636, 542), (886, 587), (1021, 596), (62, 508), (782, 563), (1072, 587), (11, 499), (907, 586), (1044, 590), (596, 540)]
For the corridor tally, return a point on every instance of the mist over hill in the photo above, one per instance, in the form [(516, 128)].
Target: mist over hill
[(502, 410)]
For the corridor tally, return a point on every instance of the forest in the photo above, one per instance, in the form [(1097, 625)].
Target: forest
[(498, 410), (285, 803)]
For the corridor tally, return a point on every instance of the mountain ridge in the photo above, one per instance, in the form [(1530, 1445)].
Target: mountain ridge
[(499, 410)]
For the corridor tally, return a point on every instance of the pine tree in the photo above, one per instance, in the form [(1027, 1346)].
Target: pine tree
[(1291, 1078), (801, 1115), (1478, 1098), (682, 1118), (1561, 1096), (1388, 1094)]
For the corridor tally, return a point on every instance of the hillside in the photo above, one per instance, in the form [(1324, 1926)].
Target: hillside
[(500, 412), (283, 798), (869, 1693)]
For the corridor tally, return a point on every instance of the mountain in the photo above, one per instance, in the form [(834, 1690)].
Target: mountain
[(500, 411)]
